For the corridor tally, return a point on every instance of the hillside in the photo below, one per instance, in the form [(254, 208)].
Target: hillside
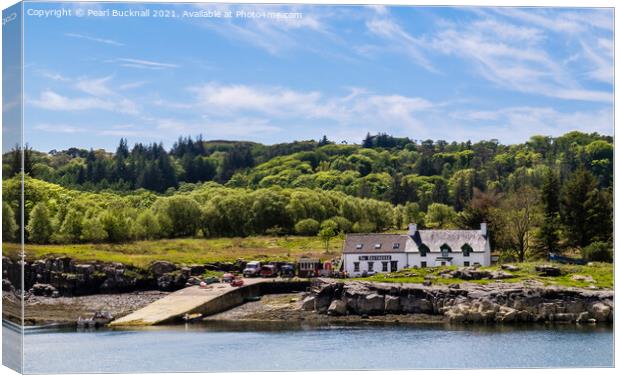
[(546, 195)]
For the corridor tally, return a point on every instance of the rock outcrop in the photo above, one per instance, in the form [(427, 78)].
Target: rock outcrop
[(68, 277), (469, 303)]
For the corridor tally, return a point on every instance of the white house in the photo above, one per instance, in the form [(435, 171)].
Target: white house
[(373, 253)]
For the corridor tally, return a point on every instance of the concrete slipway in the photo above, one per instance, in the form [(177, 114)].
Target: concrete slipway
[(207, 301)]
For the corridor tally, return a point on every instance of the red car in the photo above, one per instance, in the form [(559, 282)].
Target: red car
[(268, 270), (237, 282)]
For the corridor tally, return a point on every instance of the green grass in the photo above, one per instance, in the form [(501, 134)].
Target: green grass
[(602, 273), (188, 250), (267, 248)]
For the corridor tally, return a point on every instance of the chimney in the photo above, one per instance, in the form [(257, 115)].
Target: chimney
[(483, 229), (412, 229)]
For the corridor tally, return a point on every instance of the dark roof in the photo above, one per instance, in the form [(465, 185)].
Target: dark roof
[(369, 241), (435, 238)]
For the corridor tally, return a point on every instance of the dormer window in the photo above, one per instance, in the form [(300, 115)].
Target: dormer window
[(359, 246), (396, 246), (377, 246)]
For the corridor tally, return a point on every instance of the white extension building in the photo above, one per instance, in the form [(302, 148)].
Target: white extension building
[(373, 253)]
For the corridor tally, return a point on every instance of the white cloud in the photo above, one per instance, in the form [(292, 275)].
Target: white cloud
[(524, 66), (53, 101), (403, 41), (273, 35), (278, 102), (516, 124), (59, 128), (93, 39), (95, 87), (142, 64)]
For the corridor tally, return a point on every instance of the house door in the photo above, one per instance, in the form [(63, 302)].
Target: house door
[(394, 266)]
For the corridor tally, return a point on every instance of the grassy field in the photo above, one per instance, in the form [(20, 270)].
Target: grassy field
[(266, 248), (189, 250), (601, 273)]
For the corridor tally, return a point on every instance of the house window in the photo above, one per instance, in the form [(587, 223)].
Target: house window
[(371, 266), (356, 266), (377, 246), (423, 265), (423, 250), (359, 246), (445, 250), (384, 266), (396, 246), (466, 264), (466, 249), (443, 263)]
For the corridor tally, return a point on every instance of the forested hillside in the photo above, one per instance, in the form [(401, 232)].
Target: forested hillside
[(548, 194)]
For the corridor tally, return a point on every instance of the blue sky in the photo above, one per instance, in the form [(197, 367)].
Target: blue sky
[(438, 73)]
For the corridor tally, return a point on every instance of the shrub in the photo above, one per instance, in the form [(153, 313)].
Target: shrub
[(598, 252), (307, 227)]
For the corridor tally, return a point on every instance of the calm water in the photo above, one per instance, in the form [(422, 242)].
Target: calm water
[(242, 347)]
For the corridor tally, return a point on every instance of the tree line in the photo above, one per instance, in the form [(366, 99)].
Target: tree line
[(545, 195)]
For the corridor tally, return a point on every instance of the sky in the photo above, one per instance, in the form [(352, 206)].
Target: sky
[(456, 74)]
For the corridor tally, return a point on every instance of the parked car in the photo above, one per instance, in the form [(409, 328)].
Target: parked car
[(252, 269), (268, 270), (287, 270), (237, 281), (211, 280), (228, 277)]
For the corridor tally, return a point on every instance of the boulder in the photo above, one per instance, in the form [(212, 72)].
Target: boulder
[(6, 285), (197, 269), (392, 304), (371, 304), (308, 303), (584, 278), (583, 317), (548, 270), (42, 290), (499, 275), (337, 308), (414, 305), (506, 315), (160, 267), (599, 311), (510, 267)]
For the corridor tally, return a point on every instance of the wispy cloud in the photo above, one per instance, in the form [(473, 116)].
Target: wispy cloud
[(142, 64), (273, 35), (94, 39), (95, 87), (401, 40), (51, 100)]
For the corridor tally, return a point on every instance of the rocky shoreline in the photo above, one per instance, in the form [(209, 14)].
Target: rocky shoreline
[(41, 311), (462, 303), (64, 276)]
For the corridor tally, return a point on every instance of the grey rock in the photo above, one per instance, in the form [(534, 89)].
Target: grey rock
[(337, 308)]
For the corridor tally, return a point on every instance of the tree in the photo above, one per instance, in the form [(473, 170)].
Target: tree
[(516, 217), (9, 226), (307, 227), (548, 233), (147, 226), (440, 216), (93, 230), (581, 206), (116, 225), (598, 252), (183, 212), (71, 228), (327, 232), (39, 227)]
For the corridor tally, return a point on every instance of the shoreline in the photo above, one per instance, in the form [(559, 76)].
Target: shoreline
[(295, 308)]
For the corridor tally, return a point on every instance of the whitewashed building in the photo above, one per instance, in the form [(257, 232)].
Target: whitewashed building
[(376, 253)]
